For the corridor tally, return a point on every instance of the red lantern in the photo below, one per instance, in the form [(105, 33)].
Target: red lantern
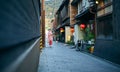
[(61, 30), (72, 30), (82, 26)]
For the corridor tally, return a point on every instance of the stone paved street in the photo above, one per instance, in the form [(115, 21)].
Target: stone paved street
[(60, 58)]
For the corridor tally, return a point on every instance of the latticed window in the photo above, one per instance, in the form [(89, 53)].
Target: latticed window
[(105, 28), (107, 1), (104, 7)]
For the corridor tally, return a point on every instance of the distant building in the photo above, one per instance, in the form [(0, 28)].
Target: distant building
[(62, 20)]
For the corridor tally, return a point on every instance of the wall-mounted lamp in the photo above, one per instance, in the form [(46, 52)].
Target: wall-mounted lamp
[(96, 2), (61, 30)]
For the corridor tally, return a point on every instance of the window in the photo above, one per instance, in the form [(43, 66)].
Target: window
[(102, 3), (107, 1), (105, 28), (104, 7)]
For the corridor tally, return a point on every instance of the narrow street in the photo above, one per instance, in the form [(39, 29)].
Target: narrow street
[(26, 26), (60, 58)]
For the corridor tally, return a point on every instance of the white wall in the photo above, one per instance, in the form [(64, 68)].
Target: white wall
[(67, 33), (78, 34)]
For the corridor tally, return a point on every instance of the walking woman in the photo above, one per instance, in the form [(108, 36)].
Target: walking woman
[(50, 37)]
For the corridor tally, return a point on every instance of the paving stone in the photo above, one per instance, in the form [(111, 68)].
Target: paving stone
[(60, 58)]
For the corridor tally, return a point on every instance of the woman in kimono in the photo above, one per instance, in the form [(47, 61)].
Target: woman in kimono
[(50, 37)]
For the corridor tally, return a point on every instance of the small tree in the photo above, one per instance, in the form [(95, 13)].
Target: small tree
[(88, 34)]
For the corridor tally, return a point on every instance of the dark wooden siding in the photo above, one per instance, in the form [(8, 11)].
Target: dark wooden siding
[(19, 21), (110, 49), (19, 35)]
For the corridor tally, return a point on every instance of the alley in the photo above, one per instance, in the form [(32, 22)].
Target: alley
[(60, 58)]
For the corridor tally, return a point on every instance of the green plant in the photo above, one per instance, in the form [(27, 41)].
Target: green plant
[(88, 47), (70, 42), (88, 34)]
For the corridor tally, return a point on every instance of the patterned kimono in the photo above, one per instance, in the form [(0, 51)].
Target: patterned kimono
[(50, 37)]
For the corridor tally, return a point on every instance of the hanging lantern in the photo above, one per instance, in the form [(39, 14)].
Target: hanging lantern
[(82, 26), (72, 30), (61, 30)]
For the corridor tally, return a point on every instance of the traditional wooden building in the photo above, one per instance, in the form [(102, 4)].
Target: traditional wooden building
[(108, 30), (62, 20), (85, 18), (107, 27)]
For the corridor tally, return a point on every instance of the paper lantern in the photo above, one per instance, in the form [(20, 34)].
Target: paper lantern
[(82, 26), (72, 30), (61, 30)]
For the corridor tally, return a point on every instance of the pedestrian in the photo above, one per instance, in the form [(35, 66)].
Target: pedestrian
[(50, 37), (78, 45)]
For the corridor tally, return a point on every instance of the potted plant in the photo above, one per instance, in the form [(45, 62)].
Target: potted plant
[(89, 37)]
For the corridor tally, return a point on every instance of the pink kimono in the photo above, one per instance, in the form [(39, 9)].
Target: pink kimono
[(50, 37)]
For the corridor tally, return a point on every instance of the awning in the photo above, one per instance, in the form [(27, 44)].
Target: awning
[(66, 23), (86, 15)]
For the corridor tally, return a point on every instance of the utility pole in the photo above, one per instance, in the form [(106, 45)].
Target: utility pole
[(42, 26)]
